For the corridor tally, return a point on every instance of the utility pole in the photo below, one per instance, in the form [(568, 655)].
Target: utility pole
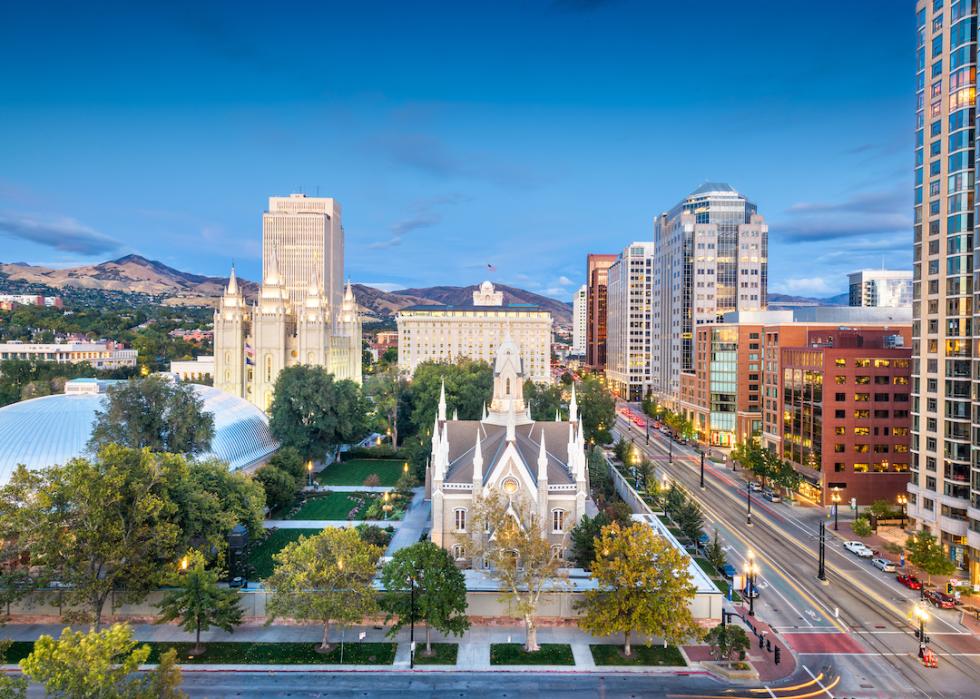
[(748, 505), (821, 554), (702, 469)]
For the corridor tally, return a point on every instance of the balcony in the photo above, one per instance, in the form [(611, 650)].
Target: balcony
[(956, 527)]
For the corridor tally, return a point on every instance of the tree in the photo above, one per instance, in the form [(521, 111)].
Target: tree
[(519, 554), (597, 410), (198, 602), (861, 526), (211, 500), (385, 390), (599, 477), (99, 527), (100, 664), (324, 578), (728, 640), (583, 536), (11, 686), (715, 553), (881, 509), (926, 553), (643, 587), (440, 591), (279, 487), (544, 400), (312, 413), (690, 520), (469, 384), (292, 462), (157, 413), (751, 456)]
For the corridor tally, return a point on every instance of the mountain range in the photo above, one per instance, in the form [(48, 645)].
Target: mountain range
[(154, 281)]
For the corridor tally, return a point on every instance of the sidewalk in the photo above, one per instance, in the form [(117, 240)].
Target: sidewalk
[(413, 523), (473, 652), (327, 523), (348, 488)]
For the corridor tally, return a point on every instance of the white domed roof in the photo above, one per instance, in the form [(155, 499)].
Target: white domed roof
[(45, 431)]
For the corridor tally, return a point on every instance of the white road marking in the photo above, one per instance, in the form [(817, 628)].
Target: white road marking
[(819, 683)]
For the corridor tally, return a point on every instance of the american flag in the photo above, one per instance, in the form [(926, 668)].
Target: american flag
[(492, 268)]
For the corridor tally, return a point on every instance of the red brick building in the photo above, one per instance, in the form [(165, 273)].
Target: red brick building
[(597, 282)]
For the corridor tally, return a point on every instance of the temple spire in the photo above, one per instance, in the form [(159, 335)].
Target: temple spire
[(442, 400), (232, 281), (477, 459), (573, 407)]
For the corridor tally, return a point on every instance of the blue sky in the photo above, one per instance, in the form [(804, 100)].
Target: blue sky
[(455, 135)]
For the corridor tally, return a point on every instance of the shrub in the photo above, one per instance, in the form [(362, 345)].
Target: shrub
[(372, 480), (861, 527)]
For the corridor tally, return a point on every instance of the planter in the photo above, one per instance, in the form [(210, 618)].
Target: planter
[(730, 670)]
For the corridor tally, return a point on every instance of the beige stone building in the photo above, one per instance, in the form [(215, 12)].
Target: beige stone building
[(446, 333), (540, 463), (295, 320)]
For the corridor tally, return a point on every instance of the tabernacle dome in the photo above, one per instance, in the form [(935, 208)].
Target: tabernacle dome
[(50, 430)]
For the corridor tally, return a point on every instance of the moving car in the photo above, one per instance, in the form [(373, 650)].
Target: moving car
[(858, 549), (940, 599), (771, 496), (910, 581), (755, 487), (728, 570), (883, 564)]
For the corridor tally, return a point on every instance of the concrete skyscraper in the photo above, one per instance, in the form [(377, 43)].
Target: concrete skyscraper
[(628, 322), (944, 494), (302, 315), (880, 287), (711, 258), (580, 317)]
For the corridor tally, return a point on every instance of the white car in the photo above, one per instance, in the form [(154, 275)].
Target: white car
[(858, 549), (883, 564)]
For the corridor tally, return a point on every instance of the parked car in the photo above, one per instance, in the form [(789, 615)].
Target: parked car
[(858, 549), (728, 570), (771, 496), (237, 581), (755, 487), (940, 599), (883, 564), (910, 581)]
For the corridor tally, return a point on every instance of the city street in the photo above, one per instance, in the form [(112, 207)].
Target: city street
[(858, 622)]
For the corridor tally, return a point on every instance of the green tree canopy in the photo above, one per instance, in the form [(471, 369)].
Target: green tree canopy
[(728, 641), (11, 686), (98, 526), (583, 537), (440, 591), (288, 459), (545, 400), (324, 578), (597, 410), (469, 386), (100, 665), (643, 587), (156, 413), (197, 601), (385, 389), (279, 486), (312, 413), (926, 553)]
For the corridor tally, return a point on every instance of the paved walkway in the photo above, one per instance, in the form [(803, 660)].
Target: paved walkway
[(348, 488), (413, 523), (327, 523)]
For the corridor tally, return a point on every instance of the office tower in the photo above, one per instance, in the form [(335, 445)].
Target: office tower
[(880, 287), (307, 237), (944, 494), (710, 259), (628, 304), (596, 278), (580, 318)]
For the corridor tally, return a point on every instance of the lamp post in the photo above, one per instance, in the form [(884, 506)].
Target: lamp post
[(903, 500), (309, 473), (835, 498), (184, 562), (920, 613), (748, 505), (750, 570), (670, 442), (387, 505), (666, 501), (411, 657), (822, 554), (702, 469)]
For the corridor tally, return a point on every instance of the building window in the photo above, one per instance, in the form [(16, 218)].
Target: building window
[(459, 517), (558, 520), (558, 553), (459, 552)]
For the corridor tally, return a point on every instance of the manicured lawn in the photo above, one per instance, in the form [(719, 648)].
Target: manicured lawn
[(443, 654), (260, 557), (232, 653), (705, 565), (354, 472), (723, 585), (514, 654), (17, 651), (605, 654), (335, 506)]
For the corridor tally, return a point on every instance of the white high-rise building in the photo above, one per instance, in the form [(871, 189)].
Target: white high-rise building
[(889, 288), (446, 333), (628, 318), (711, 258), (580, 317), (295, 319)]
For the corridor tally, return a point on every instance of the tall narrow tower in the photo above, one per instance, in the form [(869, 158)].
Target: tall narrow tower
[(229, 339)]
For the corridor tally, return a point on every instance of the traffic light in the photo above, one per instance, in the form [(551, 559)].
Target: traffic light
[(949, 588), (776, 657)]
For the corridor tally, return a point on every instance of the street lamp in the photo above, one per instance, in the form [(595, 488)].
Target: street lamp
[(387, 506), (634, 460), (748, 504), (750, 570), (405, 468), (309, 473), (184, 562), (920, 613), (702, 469), (666, 501), (411, 657), (835, 498), (903, 500)]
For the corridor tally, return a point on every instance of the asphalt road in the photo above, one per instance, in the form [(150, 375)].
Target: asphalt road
[(857, 623)]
